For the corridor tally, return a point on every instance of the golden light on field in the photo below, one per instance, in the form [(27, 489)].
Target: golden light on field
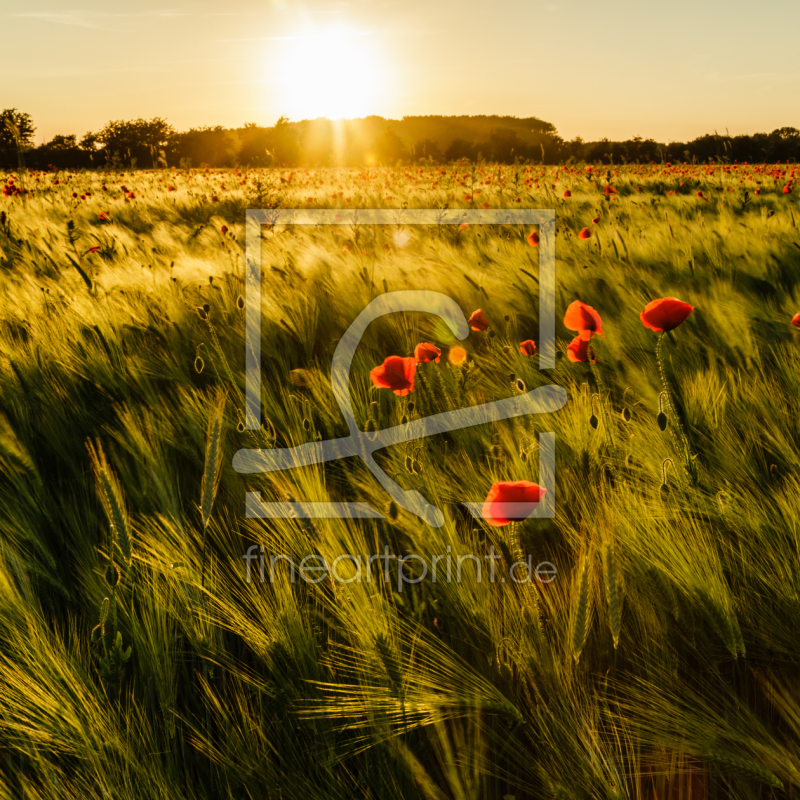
[(335, 73)]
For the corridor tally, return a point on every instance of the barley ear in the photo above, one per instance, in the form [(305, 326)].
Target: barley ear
[(612, 589), (581, 603), (110, 493), (213, 465), (212, 472)]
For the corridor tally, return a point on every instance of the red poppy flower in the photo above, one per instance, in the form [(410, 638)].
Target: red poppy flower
[(396, 373), (478, 321), (223, 230), (583, 319), (511, 502), (584, 233), (533, 239), (578, 350), (425, 352), (796, 320), (528, 347), (595, 220), (568, 193), (93, 249), (665, 314)]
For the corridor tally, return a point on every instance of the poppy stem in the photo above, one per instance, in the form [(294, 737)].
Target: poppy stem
[(683, 445), (601, 395)]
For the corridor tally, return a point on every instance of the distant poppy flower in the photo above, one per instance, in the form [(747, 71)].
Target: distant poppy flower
[(796, 321), (425, 352), (596, 221), (523, 494), (463, 226), (396, 373), (223, 230), (478, 321), (583, 319), (533, 239), (457, 356), (584, 234), (485, 205), (665, 314), (578, 350), (568, 193), (528, 347), (93, 249)]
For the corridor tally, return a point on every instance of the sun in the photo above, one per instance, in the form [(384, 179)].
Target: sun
[(334, 73)]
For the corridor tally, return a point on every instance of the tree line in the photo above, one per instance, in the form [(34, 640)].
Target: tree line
[(368, 141)]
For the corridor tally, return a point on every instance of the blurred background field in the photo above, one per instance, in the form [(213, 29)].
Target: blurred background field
[(662, 661)]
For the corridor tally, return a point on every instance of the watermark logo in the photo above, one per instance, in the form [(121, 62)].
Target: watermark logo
[(542, 400)]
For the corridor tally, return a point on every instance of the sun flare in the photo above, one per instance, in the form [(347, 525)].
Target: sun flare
[(335, 73)]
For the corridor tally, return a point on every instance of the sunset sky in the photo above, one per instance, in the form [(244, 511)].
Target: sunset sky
[(619, 68)]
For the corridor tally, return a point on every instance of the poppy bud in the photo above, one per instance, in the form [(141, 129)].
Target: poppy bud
[(593, 421), (661, 419), (773, 469), (506, 350), (112, 575), (307, 424), (507, 318), (491, 334), (520, 385), (240, 302), (198, 365), (202, 313), (392, 512), (240, 427), (207, 308), (626, 414), (559, 356), (410, 406), (404, 419), (512, 377), (496, 451)]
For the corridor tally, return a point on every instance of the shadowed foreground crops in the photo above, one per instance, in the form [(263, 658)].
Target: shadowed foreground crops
[(663, 660)]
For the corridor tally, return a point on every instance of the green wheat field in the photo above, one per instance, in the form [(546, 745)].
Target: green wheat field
[(137, 660)]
